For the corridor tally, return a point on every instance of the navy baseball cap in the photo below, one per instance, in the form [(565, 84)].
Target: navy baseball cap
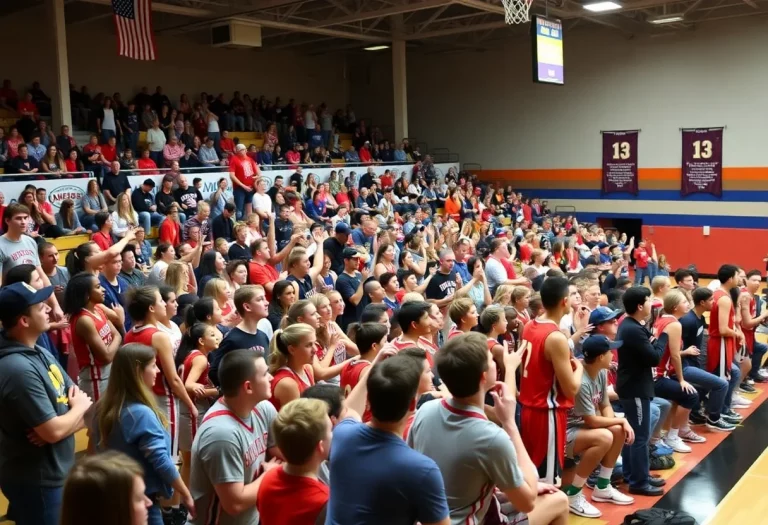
[(596, 345), (349, 253), (342, 227), (602, 314), (17, 297)]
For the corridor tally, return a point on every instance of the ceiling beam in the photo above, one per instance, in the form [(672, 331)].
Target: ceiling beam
[(389, 11), (166, 8)]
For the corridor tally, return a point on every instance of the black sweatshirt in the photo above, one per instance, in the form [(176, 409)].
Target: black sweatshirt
[(639, 353)]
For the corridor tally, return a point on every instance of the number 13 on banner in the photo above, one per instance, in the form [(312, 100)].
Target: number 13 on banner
[(702, 149), (621, 151)]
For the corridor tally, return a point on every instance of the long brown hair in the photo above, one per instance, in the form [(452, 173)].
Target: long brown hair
[(67, 212), (99, 486), (125, 385)]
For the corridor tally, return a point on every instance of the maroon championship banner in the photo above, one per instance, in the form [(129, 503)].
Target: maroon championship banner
[(702, 161), (620, 162)]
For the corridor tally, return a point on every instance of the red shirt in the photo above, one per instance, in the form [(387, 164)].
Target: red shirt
[(287, 373), (71, 165), (262, 274), (109, 152), (27, 107), (83, 352), (143, 335), (293, 158), (170, 232), (103, 240), (350, 377), (342, 198), (386, 181), (228, 145), (509, 268), (365, 155), (526, 251), (244, 169), (720, 350), (641, 258), (284, 499), (664, 368), (146, 164)]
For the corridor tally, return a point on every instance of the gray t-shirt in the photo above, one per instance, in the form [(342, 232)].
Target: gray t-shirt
[(228, 449), (474, 456), (495, 273), (15, 253), (60, 278), (592, 395)]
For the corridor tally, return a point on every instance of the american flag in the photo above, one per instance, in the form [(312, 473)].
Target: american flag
[(133, 20)]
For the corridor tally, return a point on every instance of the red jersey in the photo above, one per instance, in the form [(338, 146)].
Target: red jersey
[(641, 258), (509, 268), (244, 169), (664, 368), (350, 377), (286, 372), (143, 335), (526, 251), (102, 240), (538, 384), (749, 333), (423, 343), (83, 353), (285, 499), (262, 274), (720, 350), (453, 333), (186, 366)]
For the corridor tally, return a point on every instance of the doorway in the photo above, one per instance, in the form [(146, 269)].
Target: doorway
[(632, 227)]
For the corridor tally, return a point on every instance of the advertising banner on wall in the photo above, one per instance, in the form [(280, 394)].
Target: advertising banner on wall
[(702, 161), (620, 162), (58, 190)]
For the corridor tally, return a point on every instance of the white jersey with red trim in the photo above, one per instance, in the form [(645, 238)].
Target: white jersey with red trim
[(228, 449)]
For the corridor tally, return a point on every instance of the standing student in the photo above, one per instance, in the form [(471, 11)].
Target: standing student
[(17, 248), (94, 338), (252, 306), (229, 454), (192, 363), (594, 434), (551, 379), (493, 324), (300, 273), (375, 477), (291, 494), (42, 410), (477, 457), (370, 338), (724, 335), (750, 320), (416, 324), (128, 419), (291, 355), (463, 314), (145, 305), (638, 355)]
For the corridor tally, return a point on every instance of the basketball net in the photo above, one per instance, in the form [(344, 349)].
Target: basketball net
[(516, 11)]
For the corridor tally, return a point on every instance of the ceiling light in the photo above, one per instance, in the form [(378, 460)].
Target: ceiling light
[(375, 48), (601, 7), (670, 19)]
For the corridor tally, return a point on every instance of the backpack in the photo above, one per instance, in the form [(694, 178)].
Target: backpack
[(659, 517)]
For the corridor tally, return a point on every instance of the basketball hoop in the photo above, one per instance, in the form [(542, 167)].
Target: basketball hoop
[(516, 11)]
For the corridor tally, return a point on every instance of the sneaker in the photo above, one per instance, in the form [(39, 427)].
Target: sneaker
[(677, 445), (734, 418), (740, 402), (758, 379), (662, 449), (692, 437), (611, 495), (746, 388), (721, 425), (750, 381), (579, 505), (696, 419), (763, 373)]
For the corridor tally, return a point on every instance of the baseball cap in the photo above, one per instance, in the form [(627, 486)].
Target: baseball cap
[(17, 297), (349, 253), (602, 245), (240, 147), (149, 182), (602, 314), (342, 227), (596, 345)]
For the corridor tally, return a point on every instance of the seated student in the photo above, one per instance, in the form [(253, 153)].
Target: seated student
[(718, 415), (398, 485), (475, 456), (670, 383), (232, 444), (750, 320), (103, 235), (593, 433), (291, 494), (414, 320)]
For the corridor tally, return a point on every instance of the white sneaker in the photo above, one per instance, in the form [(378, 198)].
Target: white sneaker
[(740, 402), (750, 381), (692, 437), (677, 444), (611, 495), (763, 373), (579, 505)]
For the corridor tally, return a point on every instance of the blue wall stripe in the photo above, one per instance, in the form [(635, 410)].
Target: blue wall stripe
[(649, 195), (653, 219)]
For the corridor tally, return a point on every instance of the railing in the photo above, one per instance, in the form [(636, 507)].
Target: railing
[(44, 175), (471, 166), (444, 155)]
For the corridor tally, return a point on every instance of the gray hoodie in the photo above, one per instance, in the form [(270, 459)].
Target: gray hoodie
[(33, 390)]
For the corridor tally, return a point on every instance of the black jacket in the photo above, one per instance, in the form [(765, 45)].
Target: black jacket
[(222, 227), (639, 353)]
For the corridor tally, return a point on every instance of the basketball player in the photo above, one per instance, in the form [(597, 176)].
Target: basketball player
[(723, 335), (551, 378)]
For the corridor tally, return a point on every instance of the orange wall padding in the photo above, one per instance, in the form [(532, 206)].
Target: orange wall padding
[(688, 245)]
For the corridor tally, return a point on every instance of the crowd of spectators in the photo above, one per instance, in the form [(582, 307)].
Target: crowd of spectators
[(381, 348)]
